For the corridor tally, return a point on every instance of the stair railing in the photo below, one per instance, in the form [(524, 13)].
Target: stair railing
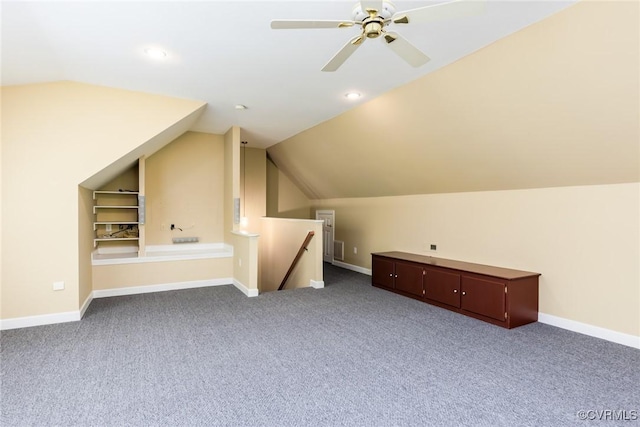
[(297, 258)]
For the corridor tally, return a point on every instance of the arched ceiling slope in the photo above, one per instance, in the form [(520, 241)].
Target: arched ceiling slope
[(555, 104)]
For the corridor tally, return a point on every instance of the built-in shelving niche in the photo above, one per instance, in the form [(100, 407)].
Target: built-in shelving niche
[(118, 214)]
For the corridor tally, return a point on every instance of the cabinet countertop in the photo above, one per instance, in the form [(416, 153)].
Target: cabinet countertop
[(486, 270)]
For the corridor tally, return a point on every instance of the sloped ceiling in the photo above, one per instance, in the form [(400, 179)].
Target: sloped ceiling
[(99, 131), (225, 53), (556, 104)]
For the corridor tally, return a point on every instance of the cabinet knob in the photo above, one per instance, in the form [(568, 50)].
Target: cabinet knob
[(455, 291), (464, 293), (390, 274), (396, 275)]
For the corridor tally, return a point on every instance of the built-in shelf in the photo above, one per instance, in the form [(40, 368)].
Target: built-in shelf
[(113, 239), (95, 224), (116, 208), (114, 192)]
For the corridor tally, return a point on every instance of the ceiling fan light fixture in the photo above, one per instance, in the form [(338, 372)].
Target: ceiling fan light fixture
[(373, 29), (240, 107), (352, 95)]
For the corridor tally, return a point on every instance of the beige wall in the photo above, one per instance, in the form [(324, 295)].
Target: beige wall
[(583, 240), (160, 273), (253, 186), (231, 180), (127, 180), (53, 138), (85, 243), (245, 260), (185, 187), (280, 241), (284, 198)]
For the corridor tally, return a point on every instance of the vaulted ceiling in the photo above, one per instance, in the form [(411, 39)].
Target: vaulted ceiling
[(225, 53), (529, 94), (556, 104)]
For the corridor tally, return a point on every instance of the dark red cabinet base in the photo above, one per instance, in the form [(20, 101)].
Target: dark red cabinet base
[(501, 296)]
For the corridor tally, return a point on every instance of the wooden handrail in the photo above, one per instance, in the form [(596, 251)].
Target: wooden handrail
[(297, 258)]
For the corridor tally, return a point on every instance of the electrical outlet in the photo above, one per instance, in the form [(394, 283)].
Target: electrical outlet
[(58, 286), (185, 240), (239, 262), (433, 247), (108, 228), (355, 250)]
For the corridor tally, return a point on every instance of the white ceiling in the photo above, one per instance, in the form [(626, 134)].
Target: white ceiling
[(225, 53)]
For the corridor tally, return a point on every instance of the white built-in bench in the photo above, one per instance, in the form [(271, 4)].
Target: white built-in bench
[(161, 253)]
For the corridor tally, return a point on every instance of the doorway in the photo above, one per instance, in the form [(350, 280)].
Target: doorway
[(328, 233)]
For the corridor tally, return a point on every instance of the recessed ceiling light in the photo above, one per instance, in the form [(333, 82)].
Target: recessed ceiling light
[(155, 53), (240, 107), (352, 95)]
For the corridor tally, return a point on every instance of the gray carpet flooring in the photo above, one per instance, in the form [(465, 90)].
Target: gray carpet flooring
[(345, 355)]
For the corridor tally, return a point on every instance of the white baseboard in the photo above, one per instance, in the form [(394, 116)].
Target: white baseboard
[(593, 331), (316, 284), (40, 320), (85, 304), (74, 316), (244, 289), (352, 267), (116, 292)]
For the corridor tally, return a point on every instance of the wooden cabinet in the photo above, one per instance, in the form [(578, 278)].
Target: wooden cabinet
[(484, 296), (408, 278), (405, 277), (501, 296), (383, 273), (442, 286)]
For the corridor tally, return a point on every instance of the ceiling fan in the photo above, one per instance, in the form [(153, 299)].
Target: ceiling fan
[(374, 16)]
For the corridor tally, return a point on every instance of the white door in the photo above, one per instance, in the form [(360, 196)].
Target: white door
[(327, 233)]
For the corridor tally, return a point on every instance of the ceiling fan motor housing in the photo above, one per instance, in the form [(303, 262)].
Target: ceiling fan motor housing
[(388, 9)]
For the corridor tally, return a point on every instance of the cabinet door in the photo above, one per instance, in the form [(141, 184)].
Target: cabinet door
[(483, 296), (409, 278), (442, 286), (382, 273)]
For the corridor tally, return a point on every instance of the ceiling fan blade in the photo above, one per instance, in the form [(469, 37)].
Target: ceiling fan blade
[(440, 11), (371, 4), (405, 50), (344, 53), (286, 24)]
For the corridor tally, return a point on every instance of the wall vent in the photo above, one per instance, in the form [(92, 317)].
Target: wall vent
[(338, 250)]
